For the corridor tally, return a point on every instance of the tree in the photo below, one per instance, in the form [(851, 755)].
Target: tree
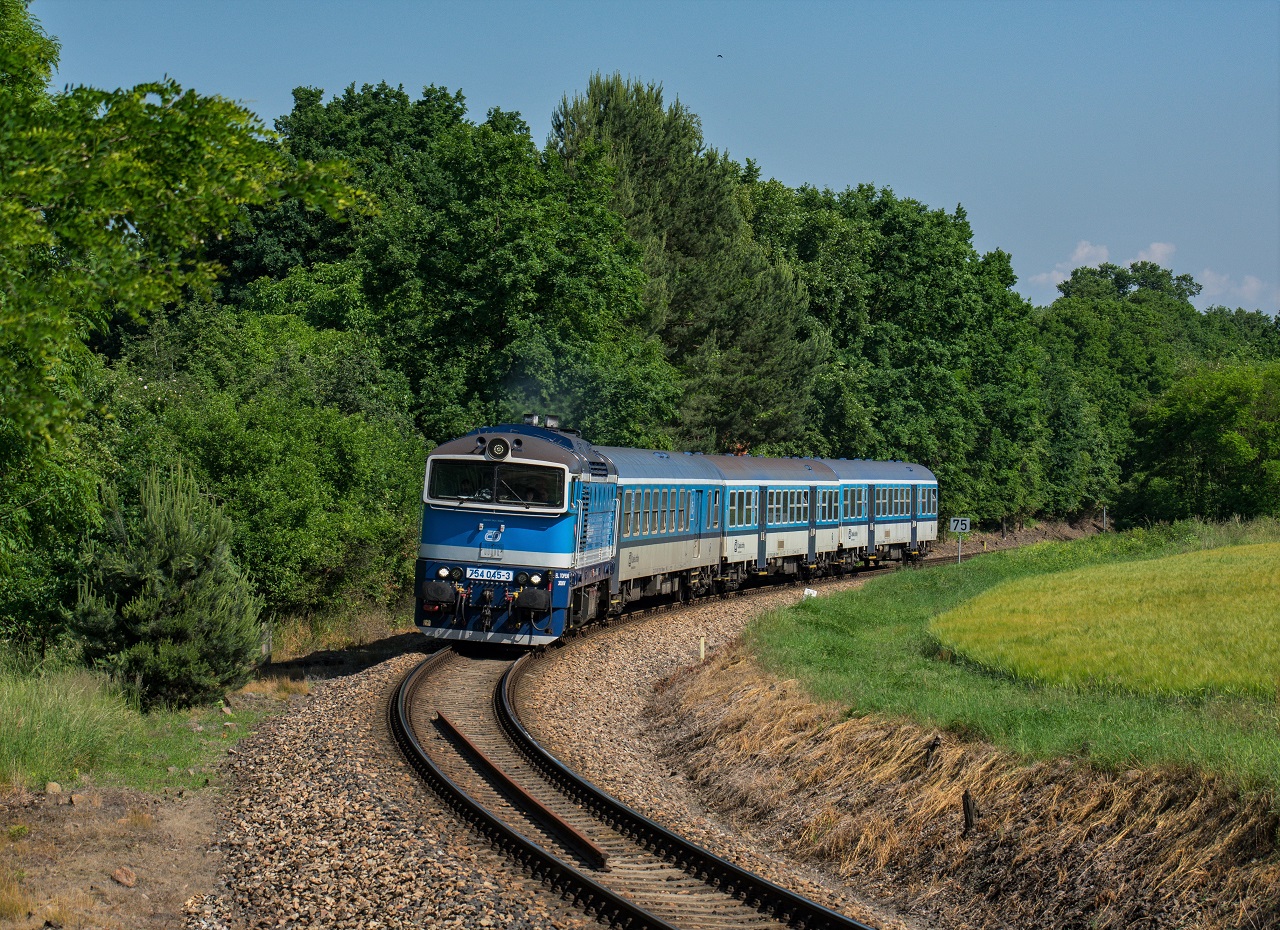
[(1209, 447), (303, 435), (494, 278), (730, 317), (165, 608), (107, 201)]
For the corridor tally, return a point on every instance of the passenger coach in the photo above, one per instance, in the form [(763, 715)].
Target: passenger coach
[(528, 531)]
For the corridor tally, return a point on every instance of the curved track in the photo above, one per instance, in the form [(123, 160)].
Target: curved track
[(454, 718)]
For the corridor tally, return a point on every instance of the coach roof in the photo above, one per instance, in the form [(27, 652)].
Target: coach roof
[(869, 471), (655, 465), (763, 470)]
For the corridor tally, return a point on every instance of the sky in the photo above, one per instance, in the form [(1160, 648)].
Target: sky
[(1072, 132)]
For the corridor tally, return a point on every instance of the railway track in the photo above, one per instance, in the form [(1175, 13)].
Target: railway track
[(454, 719)]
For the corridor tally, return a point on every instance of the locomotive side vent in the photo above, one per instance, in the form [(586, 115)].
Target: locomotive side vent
[(598, 469)]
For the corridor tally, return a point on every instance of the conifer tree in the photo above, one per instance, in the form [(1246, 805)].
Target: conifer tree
[(164, 607)]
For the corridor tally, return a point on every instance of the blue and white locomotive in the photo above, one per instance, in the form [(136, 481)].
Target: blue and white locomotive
[(529, 531)]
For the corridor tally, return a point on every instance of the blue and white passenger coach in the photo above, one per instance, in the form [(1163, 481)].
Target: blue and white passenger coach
[(529, 532)]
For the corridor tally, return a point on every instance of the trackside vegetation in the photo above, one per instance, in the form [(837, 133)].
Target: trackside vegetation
[(74, 726), (875, 651)]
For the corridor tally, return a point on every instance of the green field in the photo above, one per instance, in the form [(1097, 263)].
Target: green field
[(875, 651), (1197, 623)]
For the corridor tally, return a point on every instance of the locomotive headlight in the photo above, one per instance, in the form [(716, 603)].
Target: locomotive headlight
[(456, 574), (442, 572), (522, 578), (535, 579)]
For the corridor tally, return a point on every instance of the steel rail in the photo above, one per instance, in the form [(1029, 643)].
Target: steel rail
[(784, 905), (561, 876), (567, 833)]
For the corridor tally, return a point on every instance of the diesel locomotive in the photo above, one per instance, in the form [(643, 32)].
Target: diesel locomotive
[(530, 532)]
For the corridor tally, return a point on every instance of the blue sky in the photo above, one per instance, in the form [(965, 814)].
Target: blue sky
[(1072, 132)]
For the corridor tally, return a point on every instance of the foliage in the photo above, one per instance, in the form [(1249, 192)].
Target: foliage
[(731, 319), (106, 198), (1116, 340), (165, 608), (872, 650), (495, 279), (302, 434), (1210, 446), (107, 202), (931, 352)]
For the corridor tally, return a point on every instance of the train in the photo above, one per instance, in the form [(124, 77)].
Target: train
[(530, 532)]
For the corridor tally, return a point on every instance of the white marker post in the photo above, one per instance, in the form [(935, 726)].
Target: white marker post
[(959, 526)]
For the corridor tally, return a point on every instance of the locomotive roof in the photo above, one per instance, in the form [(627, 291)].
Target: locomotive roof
[(531, 444), (870, 470), (656, 464)]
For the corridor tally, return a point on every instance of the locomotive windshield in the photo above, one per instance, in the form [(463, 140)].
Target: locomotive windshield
[(507, 483)]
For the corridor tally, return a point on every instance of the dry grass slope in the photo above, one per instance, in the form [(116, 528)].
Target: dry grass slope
[(1055, 844)]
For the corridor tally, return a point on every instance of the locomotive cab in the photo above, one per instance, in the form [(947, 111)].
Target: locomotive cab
[(517, 532)]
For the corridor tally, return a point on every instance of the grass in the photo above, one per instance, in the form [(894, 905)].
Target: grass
[(873, 650), (73, 726), (296, 637), (1196, 623), (14, 902)]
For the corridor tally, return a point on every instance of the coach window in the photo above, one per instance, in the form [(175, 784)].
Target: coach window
[(626, 514), (684, 510)]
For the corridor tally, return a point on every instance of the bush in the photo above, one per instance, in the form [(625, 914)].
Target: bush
[(164, 607)]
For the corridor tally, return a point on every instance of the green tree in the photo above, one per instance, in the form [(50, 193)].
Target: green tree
[(107, 201), (303, 435), (932, 352), (1210, 447), (165, 608), (493, 277), (1115, 340), (730, 317)]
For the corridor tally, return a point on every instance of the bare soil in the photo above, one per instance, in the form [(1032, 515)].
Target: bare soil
[(1013, 536), (66, 847)]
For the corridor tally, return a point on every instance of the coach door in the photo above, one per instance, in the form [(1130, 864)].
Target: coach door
[(915, 509), (813, 524), (695, 523), (872, 501), (762, 522)]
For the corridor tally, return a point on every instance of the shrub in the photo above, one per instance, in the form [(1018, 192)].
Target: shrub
[(164, 607)]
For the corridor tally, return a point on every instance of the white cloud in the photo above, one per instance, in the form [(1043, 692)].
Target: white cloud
[(1251, 292), (1087, 253), (1159, 252)]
